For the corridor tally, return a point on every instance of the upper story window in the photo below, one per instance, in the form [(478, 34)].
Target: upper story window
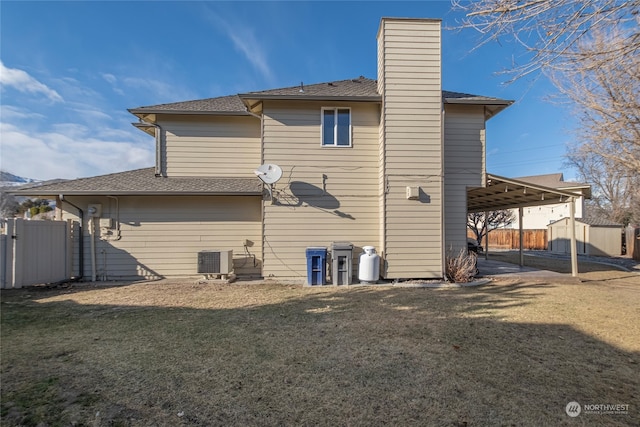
[(336, 127)]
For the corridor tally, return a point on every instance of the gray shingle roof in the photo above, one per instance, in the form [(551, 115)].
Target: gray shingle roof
[(595, 222), (467, 98), (552, 180), (353, 88), (599, 222), (144, 182), (223, 104), (362, 89)]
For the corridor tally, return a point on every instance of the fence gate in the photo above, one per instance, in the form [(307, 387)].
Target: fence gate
[(34, 252)]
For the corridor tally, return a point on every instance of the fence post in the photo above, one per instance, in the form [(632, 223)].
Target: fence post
[(69, 248), (18, 238), (9, 244), (5, 254)]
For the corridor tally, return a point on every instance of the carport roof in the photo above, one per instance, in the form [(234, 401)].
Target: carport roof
[(144, 182), (507, 193)]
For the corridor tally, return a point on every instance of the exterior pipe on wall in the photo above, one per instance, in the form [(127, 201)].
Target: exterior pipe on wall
[(117, 216), (92, 234), (81, 240)]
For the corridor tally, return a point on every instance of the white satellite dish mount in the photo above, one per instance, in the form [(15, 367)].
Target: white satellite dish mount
[(269, 174)]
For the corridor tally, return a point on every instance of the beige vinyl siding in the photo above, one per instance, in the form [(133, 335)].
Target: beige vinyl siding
[(161, 236), (326, 194), (464, 165), (211, 146), (411, 134)]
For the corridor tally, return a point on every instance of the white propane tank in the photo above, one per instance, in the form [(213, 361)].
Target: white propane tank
[(369, 265)]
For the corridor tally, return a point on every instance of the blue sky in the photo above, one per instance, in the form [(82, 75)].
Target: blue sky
[(69, 71)]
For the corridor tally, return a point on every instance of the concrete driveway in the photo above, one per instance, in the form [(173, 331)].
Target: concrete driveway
[(490, 268)]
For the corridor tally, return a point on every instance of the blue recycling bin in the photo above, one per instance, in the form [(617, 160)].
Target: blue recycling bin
[(316, 265)]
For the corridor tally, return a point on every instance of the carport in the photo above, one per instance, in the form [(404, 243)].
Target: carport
[(505, 193)]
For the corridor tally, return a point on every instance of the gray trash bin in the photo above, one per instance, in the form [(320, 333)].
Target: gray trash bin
[(342, 263)]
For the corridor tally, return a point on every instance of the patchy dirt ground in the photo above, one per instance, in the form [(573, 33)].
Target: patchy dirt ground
[(168, 353)]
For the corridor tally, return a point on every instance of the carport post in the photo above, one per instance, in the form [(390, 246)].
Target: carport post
[(574, 255), (520, 215), (486, 236)]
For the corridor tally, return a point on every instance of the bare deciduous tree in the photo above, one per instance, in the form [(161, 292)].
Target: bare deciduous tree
[(591, 51), (550, 30), (615, 194), (8, 204), (495, 219), (606, 100)]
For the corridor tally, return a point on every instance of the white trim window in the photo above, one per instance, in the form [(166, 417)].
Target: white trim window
[(336, 127)]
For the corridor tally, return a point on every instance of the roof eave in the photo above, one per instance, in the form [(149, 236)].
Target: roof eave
[(532, 186), (505, 102), (134, 193), (141, 113), (492, 106)]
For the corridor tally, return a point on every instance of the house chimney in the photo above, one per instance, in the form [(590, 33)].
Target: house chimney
[(411, 144)]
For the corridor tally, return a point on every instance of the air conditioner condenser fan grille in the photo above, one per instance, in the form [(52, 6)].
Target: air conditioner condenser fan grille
[(209, 262)]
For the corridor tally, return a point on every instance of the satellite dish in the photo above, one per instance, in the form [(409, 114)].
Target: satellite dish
[(268, 173)]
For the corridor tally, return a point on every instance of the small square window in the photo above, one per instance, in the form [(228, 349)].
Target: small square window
[(336, 127)]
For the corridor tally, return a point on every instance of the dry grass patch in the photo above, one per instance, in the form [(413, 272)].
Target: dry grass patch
[(180, 354)]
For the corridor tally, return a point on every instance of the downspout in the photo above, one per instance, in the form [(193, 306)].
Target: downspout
[(262, 208), (81, 242), (159, 132), (443, 172)]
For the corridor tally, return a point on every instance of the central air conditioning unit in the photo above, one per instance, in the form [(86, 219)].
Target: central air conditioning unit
[(215, 262)]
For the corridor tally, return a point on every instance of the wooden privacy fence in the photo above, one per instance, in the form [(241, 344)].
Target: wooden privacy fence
[(510, 239), (34, 252)]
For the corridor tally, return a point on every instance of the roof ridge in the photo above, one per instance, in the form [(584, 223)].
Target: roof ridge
[(303, 85)]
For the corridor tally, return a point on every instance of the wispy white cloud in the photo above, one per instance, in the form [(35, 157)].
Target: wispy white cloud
[(87, 136), (12, 113), (244, 40), (75, 89), (163, 90), (113, 81), (151, 88), (25, 83), (70, 150), (109, 78), (91, 114)]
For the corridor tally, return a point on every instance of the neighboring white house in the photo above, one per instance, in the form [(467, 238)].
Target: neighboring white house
[(539, 217)]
